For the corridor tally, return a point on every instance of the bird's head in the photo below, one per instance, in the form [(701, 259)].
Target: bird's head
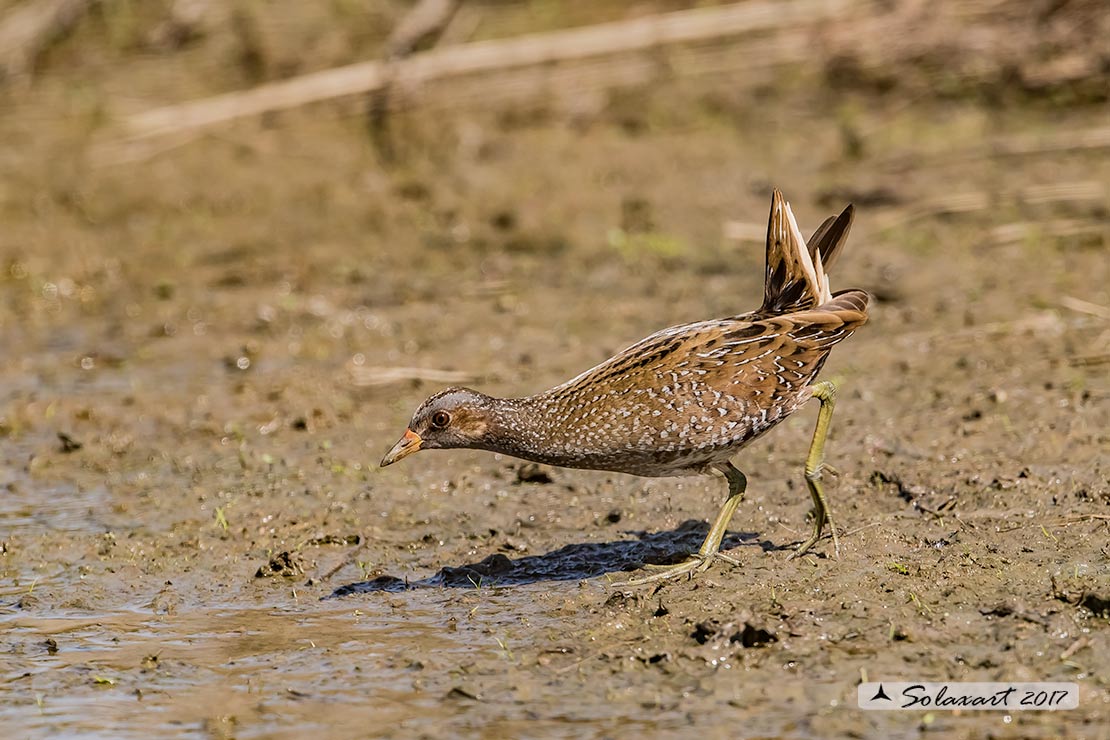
[(454, 418)]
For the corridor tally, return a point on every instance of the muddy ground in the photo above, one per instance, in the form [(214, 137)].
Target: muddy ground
[(195, 353)]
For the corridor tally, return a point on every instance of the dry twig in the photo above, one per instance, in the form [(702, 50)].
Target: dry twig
[(1059, 228), (636, 35), (1082, 306)]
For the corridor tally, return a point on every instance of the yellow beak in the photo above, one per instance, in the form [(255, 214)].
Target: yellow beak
[(407, 445)]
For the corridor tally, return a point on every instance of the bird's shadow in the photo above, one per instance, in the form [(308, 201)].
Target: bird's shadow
[(573, 562)]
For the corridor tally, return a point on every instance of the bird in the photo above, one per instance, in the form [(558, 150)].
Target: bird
[(685, 399)]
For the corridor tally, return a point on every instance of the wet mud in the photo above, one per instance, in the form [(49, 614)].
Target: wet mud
[(204, 354)]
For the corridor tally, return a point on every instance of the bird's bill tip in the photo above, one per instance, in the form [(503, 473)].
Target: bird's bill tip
[(405, 446)]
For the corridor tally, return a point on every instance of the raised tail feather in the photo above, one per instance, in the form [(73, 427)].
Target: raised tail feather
[(831, 236), (796, 277)]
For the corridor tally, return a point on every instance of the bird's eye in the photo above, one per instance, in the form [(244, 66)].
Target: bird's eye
[(441, 419)]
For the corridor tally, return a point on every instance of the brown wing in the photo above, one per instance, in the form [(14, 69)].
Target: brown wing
[(702, 386), (777, 356), (790, 350), (638, 365), (712, 352)]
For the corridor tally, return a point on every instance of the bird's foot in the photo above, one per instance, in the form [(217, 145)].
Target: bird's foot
[(695, 563), (802, 549), (814, 538)]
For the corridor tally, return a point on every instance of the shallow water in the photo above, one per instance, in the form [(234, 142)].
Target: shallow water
[(347, 668), (165, 671), (59, 508)]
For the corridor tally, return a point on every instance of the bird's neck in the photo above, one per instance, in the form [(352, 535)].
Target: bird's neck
[(522, 427)]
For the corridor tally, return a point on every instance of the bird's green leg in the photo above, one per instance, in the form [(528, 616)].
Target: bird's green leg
[(737, 484), (825, 392), (700, 560)]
